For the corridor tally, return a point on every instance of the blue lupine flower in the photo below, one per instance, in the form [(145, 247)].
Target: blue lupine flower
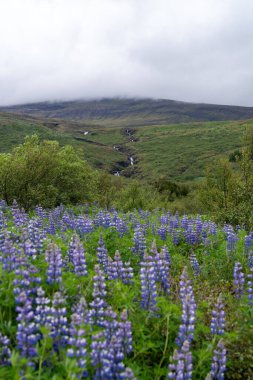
[(79, 261), (162, 232), (26, 280), (148, 283), (250, 260), (250, 287), (232, 239), (128, 273), (9, 254), (162, 267), (194, 264), (218, 318), (81, 308), (248, 244), (124, 333), (54, 260), (5, 351), (238, 280), (181, 363), (187, 325), (139, 241), (116, 268), (77, 342), (43, 310), (98, 305), (98, 349), (72, 246), (57, 322), (84, 225), (110, 324), (102, 254), (27, 332), (127, 375), (218, 367)]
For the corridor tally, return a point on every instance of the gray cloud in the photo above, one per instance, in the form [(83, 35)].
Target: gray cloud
[(198, 50)]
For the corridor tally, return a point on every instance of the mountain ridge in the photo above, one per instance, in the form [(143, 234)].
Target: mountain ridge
[(132, 111)]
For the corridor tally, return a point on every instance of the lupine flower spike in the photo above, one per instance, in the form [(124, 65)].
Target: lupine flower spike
[(218, 318)]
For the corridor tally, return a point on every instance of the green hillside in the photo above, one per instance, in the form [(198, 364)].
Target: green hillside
[(179, 151)]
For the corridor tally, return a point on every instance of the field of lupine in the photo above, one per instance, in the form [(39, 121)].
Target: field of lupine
[(90, 293)]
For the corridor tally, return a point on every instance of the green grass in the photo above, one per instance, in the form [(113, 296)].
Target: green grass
[(179, 151), (182, 151)]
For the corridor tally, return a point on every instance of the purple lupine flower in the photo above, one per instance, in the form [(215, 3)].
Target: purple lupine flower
[(181, 363), (148, 283), (162, 232), (238, 280), (195, 264), (248, 244), (29, 249), (162, 271), (184, 222), (116, 268), (190, 234), (128, 273), (124, 333), (98, 305), (99, 218), (218, 317), (110, 324), (79, 261), (113, 357), (36, 234), (77, 343), (102, 254), (153, 248), (250, 260), (52, 225), (98, 348), (250, 287), (20, 218), (72, 245), (81, 308), (166, 254), (176, 236), (218, 367), (2, 220), (232, 239), (5, 351), (40, 212), (54, 260), (84, 225), (139, 241), (26, 280), (127, 374), (27, 333), (212, 228), (198, 225), (43, 310), (9, 254), (187, 326), (57, 322)]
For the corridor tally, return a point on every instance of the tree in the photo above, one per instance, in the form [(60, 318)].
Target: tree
[(45, 173), (227, 192)]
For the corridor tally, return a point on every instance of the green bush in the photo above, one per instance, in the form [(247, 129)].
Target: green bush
[(45, 173)]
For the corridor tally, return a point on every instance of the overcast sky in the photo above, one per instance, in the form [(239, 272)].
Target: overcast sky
[(190, 50)]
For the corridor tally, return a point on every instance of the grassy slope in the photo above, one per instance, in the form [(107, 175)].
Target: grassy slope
[(180, 151), (14, 129)]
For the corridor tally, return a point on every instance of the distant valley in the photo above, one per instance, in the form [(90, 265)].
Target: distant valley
[(141, 138)]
